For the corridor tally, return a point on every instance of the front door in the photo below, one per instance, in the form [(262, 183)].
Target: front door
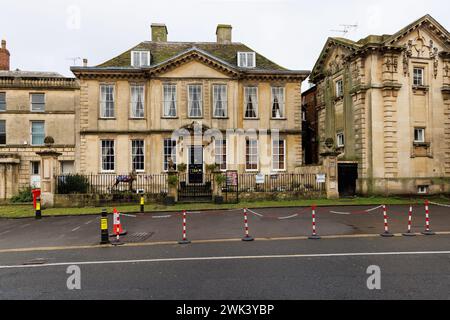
[(348, 175), (196, 165)]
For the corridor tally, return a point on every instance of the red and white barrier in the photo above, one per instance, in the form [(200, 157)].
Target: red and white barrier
[(409, 232), (185, 240), (247, 236), (314, 235), (427, 231), (386, 224)]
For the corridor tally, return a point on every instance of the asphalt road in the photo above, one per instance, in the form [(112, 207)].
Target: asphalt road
[(411, 268)]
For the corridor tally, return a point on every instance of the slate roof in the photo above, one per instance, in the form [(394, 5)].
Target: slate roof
[(164, 51)]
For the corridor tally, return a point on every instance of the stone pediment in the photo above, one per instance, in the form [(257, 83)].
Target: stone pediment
[(195, 64)]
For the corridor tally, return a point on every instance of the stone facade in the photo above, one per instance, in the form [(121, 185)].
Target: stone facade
[(181, 65), (388, 96), (57, 113)]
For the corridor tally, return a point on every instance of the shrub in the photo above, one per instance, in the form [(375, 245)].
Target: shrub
[(24, 196), (73, 184), (172, 181), (221, 179)]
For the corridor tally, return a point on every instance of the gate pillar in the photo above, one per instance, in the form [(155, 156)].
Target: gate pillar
[(330, 166)]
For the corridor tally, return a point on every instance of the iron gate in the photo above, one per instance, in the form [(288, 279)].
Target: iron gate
[(231, 189), (195, 192)]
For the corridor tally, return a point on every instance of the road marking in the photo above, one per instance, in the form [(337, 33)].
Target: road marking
[(194, 259), (89, 222), (128, 215), (290, 217), (77, 228), (163, 243), (162, 217), (5, 232)]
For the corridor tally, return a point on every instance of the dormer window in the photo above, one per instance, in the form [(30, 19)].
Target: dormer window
[(246, 59), (140, 59)]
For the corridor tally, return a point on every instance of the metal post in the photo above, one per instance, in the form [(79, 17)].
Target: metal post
[(386, 226), (38, 208), (142, 204), (314, 235), (247, 237), (409, 232), (185, 240), (427, 231), (104, 228)]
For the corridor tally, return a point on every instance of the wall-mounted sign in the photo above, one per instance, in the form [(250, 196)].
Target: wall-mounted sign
[(260, 178), (321, 178)]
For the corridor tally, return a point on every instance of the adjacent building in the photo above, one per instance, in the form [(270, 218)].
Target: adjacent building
[(383, 103), (194, 103), (33, 106)]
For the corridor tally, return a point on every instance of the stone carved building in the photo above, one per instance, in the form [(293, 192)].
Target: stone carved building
[(131, 106), (385, 103), (33, 105)]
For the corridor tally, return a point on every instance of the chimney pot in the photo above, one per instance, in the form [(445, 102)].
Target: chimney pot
[(159, 32), (85, 62), (3, 44), (224, 33)]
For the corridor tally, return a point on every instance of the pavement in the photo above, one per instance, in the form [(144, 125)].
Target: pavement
[(218, 225)]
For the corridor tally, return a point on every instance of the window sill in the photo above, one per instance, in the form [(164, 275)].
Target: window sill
[(420, 88), (280, 119), (221, 118), (251, 119), (421, 144), (107, 119), (169, 118), (137, 119), (195, 117)]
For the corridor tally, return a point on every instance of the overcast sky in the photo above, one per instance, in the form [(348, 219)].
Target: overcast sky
[(43, 35)]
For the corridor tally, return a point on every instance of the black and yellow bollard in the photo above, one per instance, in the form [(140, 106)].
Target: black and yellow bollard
[(104, 228), (142, 203), (38, 209)]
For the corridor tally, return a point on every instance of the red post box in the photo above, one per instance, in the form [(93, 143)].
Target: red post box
[(36, 194)]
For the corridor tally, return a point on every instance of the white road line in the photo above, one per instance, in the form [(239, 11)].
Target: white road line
[(294, 256), (5, 232), (161, 217), (77, 228), (89, 222), (128, 215), (290, 217), (255, 213)]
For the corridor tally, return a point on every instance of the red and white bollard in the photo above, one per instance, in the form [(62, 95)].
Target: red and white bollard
[(117, 228), (409, 232), (247, 236), (427, 231), (386, 225), (185, 240), (314, 235)]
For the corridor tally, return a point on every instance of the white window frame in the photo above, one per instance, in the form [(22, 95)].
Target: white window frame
[(220, 154), (32, 164), (134, 103), (255, 103), (340, 143), (31, 133), (102, 104), (339, 88), (174, 87), (174, 154), (43, 104), (281, 103), (114, 156), (135, 154), (3, 102), (191, 101), (420, 76), (141, 54), (278, 155), (422, 189), (250, 155), (243, 61), (422, 140), (224, 100)]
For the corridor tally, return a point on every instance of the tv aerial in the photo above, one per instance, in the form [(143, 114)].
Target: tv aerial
[(75, 60), (346, 28)]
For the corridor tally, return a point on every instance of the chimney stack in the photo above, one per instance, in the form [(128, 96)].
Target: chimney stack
[(224, 33), (4, 57), (85, 62), (159, 32)]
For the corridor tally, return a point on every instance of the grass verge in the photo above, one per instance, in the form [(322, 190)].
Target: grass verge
[(26, 211)]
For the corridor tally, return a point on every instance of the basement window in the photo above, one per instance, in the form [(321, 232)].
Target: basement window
[(422, 189)]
